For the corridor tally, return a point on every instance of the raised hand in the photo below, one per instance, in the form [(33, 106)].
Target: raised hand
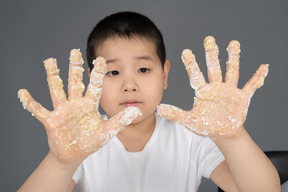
[(220, 108), (75, 128)]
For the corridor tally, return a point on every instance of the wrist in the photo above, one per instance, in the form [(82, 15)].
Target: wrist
[(231, 141), (67, 167)]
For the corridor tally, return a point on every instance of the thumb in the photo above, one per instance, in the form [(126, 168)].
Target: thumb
[(118, 122), (171, 112)]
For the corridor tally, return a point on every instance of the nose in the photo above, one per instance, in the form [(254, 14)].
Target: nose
[(129, 89), (130, 85)]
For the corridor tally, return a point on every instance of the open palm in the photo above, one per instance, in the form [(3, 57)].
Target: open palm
[(75, 128), (220, 108)]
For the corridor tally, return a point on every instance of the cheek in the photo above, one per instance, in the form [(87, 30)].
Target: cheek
[(107, 97), (108, 89), (103, 95), (154, 90)]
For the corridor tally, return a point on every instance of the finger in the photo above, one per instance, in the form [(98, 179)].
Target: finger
[(54, 82), (35, 108), (75, 84), (213, 65), (94, 89), (182, 117), (171, 112), (232, 74), (257, 80), (197, 80), (119, 121)]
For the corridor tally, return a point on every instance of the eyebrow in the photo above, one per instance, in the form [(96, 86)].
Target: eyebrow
[(111, 61), (148, 58)]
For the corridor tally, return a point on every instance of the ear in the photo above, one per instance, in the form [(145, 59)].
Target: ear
[(166, 72)]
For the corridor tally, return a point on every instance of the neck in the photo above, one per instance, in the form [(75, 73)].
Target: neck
[(135, 136)]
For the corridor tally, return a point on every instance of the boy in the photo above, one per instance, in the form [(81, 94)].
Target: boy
[(151, 153)]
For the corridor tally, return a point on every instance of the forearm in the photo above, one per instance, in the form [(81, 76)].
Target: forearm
[(249, 166), (50, 175)]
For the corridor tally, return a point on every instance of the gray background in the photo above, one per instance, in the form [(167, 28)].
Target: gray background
[(32, 31)]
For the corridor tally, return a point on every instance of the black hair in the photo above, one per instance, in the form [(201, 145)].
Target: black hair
[(127, 25)]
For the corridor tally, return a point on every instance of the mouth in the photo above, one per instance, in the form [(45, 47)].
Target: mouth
[(131, 103)]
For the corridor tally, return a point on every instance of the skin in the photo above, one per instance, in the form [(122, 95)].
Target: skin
[(219, 112), (75, 128), (220, 108), (135, 78)]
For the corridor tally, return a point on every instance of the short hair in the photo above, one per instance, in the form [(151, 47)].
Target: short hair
[(127, 25)]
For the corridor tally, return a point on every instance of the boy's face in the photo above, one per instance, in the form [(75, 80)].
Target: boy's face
[(135, 76)]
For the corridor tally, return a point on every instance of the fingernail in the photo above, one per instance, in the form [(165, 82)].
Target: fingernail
[(51, 66), (76, 57), (100, 65), (187, 56), (23, 95)]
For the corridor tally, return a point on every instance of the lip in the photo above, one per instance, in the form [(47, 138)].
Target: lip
[(131, 103)]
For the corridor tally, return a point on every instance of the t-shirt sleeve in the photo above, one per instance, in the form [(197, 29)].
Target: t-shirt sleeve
[(210, 157), (78, 174)]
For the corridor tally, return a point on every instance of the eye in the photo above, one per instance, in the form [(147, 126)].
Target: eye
[(112, 73), (143, 70)]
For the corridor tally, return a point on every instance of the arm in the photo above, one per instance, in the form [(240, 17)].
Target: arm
[(219, 112), (75, 128), (250, 168), (51, 175)]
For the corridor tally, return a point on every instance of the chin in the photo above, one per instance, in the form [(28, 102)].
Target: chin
[(143, 118)]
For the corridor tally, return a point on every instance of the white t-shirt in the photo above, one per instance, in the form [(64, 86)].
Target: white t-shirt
[(174, 159)]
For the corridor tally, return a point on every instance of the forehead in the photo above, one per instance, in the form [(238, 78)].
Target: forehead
[(126, 46)]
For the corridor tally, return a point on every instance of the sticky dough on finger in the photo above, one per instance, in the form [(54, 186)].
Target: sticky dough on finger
[(35, 108), (232, 65), (54, 82), (213, 64), (94, 89), (75, 85), (196, 77)]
